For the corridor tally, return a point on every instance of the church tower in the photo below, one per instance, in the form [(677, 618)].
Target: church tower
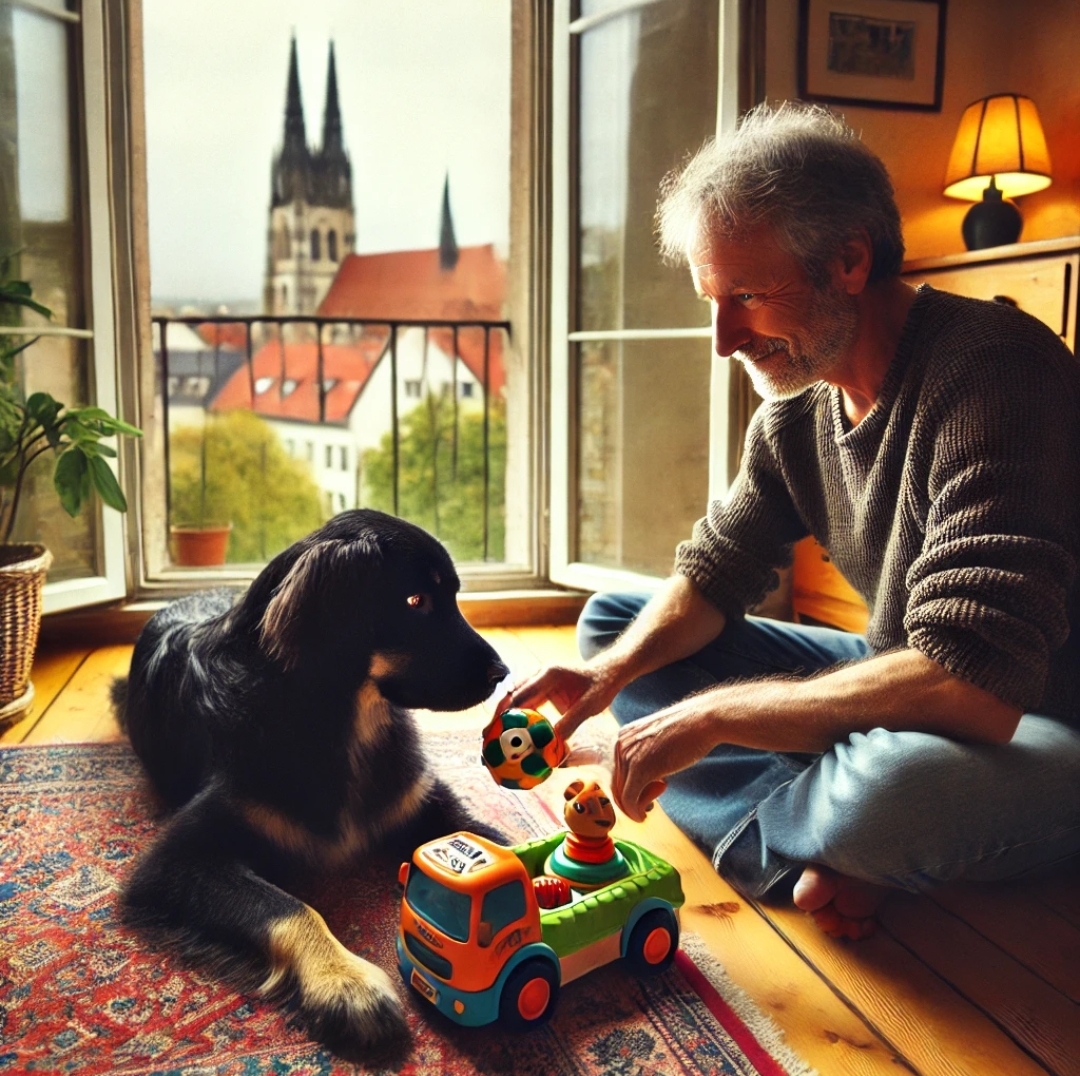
[(312, 226)]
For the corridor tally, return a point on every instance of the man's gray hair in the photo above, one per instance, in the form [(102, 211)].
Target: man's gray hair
[(796, 168)]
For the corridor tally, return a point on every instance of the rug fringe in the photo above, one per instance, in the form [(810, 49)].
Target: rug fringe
[(760, 1024)]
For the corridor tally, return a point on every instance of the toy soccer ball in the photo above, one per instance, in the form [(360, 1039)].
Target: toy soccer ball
[(521, 748)]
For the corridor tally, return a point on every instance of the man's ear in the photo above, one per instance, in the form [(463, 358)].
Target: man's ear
[(852, 266)]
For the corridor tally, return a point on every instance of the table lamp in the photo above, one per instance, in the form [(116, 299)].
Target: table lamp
[(999, 152)]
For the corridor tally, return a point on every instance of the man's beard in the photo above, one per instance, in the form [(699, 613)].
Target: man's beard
[(831, 327)]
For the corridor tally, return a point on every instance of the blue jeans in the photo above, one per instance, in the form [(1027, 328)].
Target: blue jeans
[(904, 809)]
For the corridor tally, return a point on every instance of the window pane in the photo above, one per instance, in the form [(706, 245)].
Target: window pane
[(39, 219), (648, 81), (323, 179), (643, 455), (41, 240)]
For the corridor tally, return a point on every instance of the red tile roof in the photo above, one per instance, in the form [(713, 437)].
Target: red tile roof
[(346, 368), (410, 284), (225, 334)]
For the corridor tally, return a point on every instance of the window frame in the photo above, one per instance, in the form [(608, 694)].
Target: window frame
[(152, 576), (564, 569), (89, 75)]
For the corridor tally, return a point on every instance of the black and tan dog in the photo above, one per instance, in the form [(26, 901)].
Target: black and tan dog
[(278, 727)]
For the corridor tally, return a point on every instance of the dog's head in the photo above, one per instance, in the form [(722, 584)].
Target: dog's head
[(371, 596)]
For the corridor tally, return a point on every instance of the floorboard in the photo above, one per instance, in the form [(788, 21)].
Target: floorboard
[(52, 670), (1038, 937)]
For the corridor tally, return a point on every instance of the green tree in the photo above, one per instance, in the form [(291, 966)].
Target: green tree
[(438, 488), (234, 470)]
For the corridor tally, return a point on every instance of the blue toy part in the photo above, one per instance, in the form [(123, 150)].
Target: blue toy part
[(476, 1008)]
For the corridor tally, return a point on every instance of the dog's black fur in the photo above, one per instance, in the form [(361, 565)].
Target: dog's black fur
[(278, 727)]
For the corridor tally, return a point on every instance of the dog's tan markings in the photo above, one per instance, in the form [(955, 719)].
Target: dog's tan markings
[(353, 838), (383, 663), (327, 975), (283, 831), (372, 716), (409, 803)]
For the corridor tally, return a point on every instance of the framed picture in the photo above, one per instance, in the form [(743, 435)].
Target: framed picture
[(874, 53)]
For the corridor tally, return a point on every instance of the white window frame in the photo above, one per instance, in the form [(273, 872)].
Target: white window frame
[(563, 569), (90, 77)]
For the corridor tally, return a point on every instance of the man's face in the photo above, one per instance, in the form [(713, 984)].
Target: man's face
[(766, 312)]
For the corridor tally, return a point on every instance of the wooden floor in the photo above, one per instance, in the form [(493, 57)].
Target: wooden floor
[(978, 980)]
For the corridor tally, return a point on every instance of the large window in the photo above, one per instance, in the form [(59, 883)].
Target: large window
[(54, 233), (330, 256), (640, 88)]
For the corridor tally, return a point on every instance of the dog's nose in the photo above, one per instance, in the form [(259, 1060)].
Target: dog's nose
[(496, 671)]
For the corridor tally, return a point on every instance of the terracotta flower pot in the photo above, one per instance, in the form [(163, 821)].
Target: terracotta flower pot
[(200, 547), (22, 577)]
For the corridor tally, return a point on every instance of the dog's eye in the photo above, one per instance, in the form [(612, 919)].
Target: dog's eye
[(419, 601)]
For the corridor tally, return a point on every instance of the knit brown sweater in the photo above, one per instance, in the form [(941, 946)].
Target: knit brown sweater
[(953, 508)]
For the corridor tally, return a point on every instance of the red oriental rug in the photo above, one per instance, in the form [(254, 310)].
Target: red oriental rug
[(81, 994)]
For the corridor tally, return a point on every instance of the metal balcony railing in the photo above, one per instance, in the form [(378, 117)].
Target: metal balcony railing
[(458, 340)]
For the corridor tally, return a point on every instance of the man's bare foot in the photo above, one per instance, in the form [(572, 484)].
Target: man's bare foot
[(843, 907)]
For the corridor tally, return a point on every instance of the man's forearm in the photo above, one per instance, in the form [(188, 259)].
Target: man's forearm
[(901, 691), (676, 623)]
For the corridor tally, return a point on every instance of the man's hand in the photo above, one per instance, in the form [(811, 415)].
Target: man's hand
[(578, 692), (651, 749)]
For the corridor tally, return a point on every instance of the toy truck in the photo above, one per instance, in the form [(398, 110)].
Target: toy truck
[(475, 942)]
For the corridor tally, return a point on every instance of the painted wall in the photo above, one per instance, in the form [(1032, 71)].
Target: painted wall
[(992, 46)]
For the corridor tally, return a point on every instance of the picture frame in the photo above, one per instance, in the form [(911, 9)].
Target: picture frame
[(872, 53)]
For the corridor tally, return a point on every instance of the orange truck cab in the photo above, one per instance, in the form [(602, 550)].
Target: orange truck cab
[(475, 942)]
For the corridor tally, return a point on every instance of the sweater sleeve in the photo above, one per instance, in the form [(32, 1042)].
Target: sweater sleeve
[(988, 592), (736, 548)]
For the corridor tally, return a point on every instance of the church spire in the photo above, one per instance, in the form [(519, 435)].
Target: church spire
[(332, 141), (290, 174), (295, 134), (448, 248)]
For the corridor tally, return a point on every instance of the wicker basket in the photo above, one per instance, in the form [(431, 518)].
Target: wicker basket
[(22, 576)]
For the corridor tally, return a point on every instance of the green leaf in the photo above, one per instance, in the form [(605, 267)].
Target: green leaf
[(18, 292), (107, 424), (105, 483), (9, 351), (96, 448), (71, 480)]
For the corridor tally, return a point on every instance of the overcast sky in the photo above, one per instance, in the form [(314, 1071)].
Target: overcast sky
[(424, 87)]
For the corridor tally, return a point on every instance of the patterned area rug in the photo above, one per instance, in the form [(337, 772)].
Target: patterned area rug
[(80, 994)]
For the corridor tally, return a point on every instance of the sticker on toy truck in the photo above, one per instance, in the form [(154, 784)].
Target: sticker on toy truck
[(459, 855)]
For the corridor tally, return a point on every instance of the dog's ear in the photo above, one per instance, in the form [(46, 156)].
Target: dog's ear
[(306, 604)]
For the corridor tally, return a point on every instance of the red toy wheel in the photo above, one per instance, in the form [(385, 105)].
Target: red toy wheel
[(528, 998), (653, 942)]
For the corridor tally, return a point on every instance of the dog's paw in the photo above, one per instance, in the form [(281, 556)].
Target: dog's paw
[(353, 1009), (345, 1001)]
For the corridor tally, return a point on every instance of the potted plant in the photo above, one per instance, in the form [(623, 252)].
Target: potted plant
[(31, 426), (199, 510)]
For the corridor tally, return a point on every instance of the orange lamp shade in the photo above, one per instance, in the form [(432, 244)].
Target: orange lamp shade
[(999, 138)]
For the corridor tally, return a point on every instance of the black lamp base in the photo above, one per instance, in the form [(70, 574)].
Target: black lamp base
[(991, 222)]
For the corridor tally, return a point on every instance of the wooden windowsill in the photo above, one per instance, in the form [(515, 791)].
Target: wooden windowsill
[(121, 623)]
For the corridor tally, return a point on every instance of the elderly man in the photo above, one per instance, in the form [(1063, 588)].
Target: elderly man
[(932, 444)]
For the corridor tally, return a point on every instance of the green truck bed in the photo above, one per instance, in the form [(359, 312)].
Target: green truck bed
[(603, 911)]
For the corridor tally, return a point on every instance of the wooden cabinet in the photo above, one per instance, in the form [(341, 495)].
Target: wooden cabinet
[(1041, 278)]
